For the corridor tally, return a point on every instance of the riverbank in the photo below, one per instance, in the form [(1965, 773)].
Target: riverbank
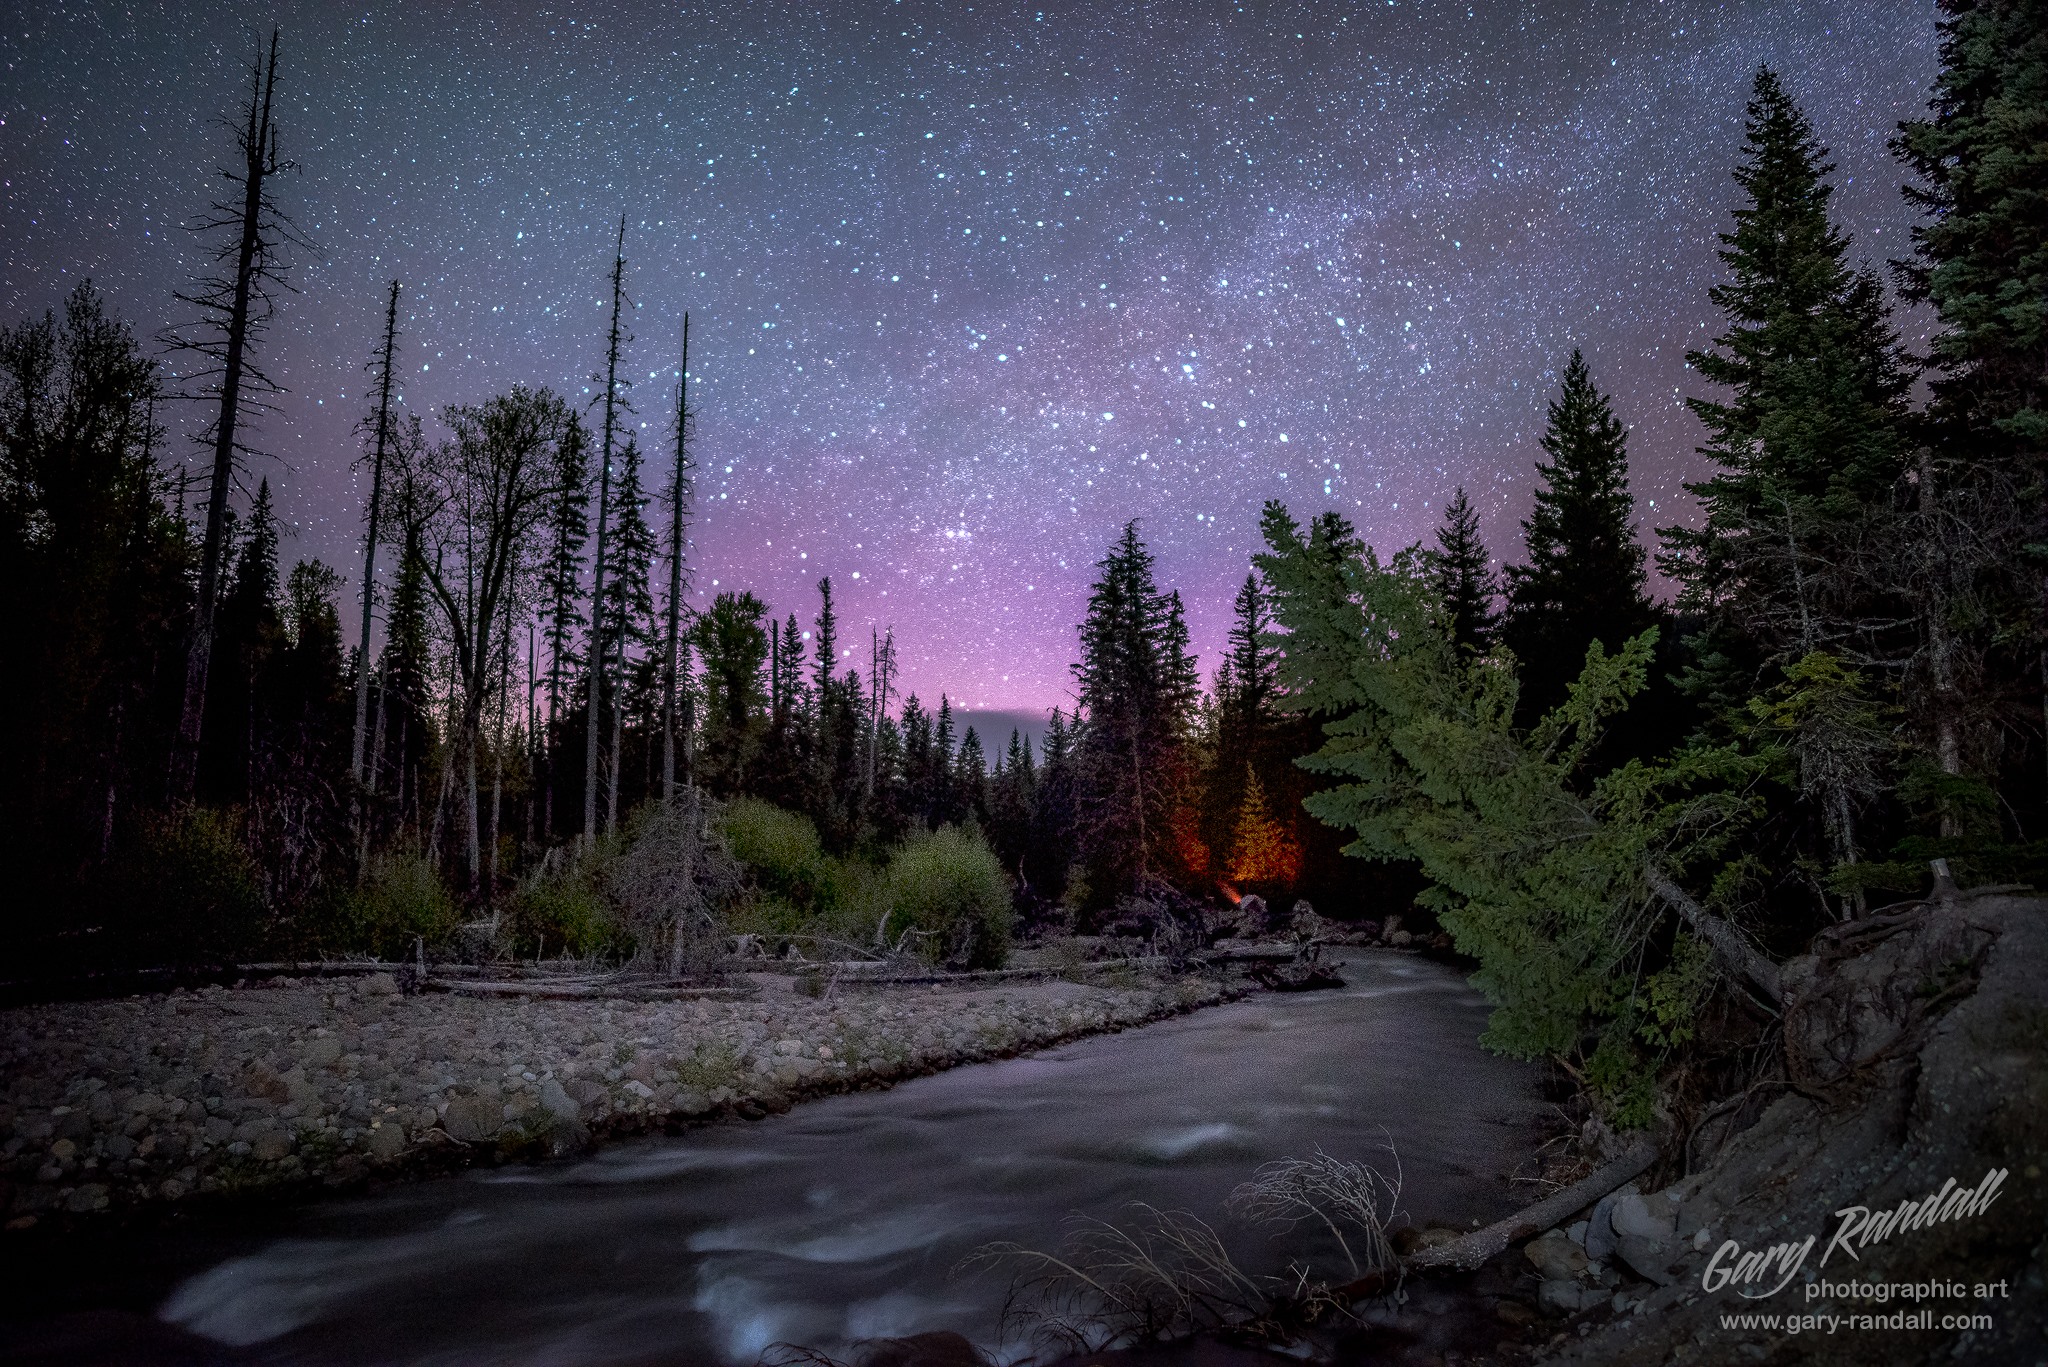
[(296, 1084)]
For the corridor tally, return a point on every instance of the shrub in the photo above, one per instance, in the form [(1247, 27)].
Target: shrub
[(558, 910), (402, 898), (782, 854), (188, 891), (950, 888)]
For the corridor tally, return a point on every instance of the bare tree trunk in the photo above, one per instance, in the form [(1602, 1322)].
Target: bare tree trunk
[(472, 734), (611, 810), (1948, 744), (1735, 954), (679, 494), (355, 760), (604, 484), (260, 153)]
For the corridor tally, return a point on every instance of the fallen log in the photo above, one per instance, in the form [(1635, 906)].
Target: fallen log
[(1470, 1250), (546, 991)]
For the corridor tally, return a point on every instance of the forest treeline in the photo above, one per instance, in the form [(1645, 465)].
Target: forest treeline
[(1626, 810)]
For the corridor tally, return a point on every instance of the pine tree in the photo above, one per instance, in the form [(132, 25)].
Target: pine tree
[(1137, 686), (249, 631), (1809, 443), (561, 586), (630, 638), (971, 780), (1809, 440), (1981, 259), (733, 647), (1463, 578), (1584, 580), (1247, 689), (1263, 852)]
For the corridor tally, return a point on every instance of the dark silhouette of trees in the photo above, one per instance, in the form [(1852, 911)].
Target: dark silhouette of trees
[(1584, 577)]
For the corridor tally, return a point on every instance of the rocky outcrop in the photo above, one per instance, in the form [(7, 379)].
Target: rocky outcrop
[(1917, 1054), (298, 1083)]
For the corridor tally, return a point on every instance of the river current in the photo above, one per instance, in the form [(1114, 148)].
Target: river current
[(845, 1219)]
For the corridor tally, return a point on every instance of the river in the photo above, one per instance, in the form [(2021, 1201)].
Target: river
[(842, 1220)]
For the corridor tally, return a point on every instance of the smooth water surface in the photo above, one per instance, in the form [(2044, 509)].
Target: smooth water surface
[(846, 1218)]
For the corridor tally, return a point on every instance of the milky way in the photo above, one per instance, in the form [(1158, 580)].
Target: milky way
[(970, 286)]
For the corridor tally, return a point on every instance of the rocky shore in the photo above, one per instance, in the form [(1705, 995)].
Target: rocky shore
[(294, 1083)]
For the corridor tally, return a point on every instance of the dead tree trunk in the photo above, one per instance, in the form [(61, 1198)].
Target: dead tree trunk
[(604, 485), (679, 500), (355, 760), (233, 317)]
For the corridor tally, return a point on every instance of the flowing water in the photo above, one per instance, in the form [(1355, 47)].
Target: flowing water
[(843, 1220)]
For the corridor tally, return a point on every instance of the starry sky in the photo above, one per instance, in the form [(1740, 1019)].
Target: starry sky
[(970, 285)]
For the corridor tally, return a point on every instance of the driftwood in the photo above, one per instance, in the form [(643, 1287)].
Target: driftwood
[(586, 991), (1470, 1250)]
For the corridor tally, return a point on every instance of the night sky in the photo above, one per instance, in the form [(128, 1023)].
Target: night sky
[(970, 286)]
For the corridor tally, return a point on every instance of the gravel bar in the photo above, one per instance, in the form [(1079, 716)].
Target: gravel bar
[(297, 1084)]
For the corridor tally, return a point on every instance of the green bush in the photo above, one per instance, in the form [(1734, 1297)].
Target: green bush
[(402, 898), (555, 912), (782, 854), (188, 891), (950, 888)]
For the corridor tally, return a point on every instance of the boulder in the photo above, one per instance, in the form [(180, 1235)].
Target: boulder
[(378, 985), (1645, 1234), (473, 1119), (387, 1141), (1556, 1257)]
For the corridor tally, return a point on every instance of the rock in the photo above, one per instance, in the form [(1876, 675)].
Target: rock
[(473, 1119), (557, 1102), (1644, 1217), (218, 1130), (1645, 1234), (1399, 937), (90, 1197), (1600, 1228), (639, 1088), (1561, 1297), (1556, 1257), (271, 1145), (321, 1052), (64, 1151), (387, 1141), (377, 985), (1577, 1233)]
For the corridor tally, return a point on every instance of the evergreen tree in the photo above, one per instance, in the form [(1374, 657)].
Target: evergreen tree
[(561, 584), (733, 648), (1137, 686), (1264, 853), (1012, 798), (249, 630), (1981, 259), (1982, 255), (405, 721), (94, 589), (1463, 579), (1809, 441), (1809, 444), (631, 639), (971, 780), (1584, 579)]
